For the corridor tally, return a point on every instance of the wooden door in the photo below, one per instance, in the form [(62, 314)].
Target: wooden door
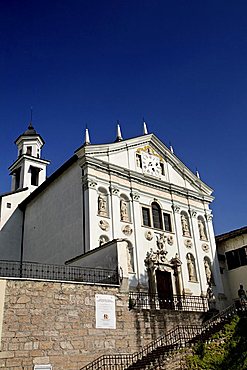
[(164, 289)]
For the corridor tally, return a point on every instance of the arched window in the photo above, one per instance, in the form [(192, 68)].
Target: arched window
[(124, 208), (202, 228), (157, 217), (102, 202), (185, 224), (191, 267)]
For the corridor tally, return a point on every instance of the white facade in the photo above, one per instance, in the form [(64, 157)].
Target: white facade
[(134, 190)]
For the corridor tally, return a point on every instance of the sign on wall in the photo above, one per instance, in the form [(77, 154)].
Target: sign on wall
[(105, 311)]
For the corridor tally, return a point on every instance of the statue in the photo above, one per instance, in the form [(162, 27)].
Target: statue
[(185, 225), (124, 210), (201, 228), (208, 271), (161, 241), (191, 268), (102, 210)]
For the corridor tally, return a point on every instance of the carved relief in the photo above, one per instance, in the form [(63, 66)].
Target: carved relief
[(185, 225), (124, 216), (191, 267), (209, 217), (208, 271), (114, 190), (176, 208), (149, 235), (103, 239), (130, 259), (91, 184), (170, 240), (127, 230), (205, 247), (193, 212), (104, 225), (102, 205), (135, 196), (201, 228), (188, 243)]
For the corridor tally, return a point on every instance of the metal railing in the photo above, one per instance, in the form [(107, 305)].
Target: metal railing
[(143, 300), (29, 270), (174, 339)]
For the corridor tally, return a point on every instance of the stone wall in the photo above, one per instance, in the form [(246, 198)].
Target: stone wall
[(54, 323)]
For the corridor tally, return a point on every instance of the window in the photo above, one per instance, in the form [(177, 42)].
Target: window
[(20, 152), (34, 175), (8, 205), (156, 213), (146, 217), (236, 258), (17, 178), (167, 222), (162, 168), (29, 150)]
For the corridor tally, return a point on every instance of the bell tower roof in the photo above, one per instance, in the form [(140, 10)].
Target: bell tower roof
[(29, 132)]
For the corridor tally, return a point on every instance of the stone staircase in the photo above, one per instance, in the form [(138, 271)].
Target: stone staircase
[(168, 351)]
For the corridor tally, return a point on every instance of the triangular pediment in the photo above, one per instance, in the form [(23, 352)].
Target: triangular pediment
[(147, 157)]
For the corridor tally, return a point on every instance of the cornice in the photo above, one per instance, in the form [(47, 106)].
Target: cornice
[(30, 158), (143, 179)]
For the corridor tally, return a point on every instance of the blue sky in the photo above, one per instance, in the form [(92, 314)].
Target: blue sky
[(180, 64)]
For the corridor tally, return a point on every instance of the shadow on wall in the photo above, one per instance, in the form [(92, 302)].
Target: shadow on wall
[(10, 237)]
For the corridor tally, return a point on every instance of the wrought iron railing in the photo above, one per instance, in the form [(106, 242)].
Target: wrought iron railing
[(143, 300), (181, 336), (31, 270)]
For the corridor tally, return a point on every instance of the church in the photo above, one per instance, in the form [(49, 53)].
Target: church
[(129, 205)]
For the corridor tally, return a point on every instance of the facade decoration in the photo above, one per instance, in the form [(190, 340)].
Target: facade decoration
[(176, 208), (103, 239), (149, 235), (202, 228), (193, 212), (188, 243), (102, 205), (170, 240), (208, 271), (130, 259), (185, 224), (114, 190), (104, 225), (127, 230), (124, 211), (205, 247), (191, 267)]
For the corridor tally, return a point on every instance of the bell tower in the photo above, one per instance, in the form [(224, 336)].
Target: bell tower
[(29, 169)]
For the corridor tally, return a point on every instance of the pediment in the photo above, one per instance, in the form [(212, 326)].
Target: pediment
[(149, 158)]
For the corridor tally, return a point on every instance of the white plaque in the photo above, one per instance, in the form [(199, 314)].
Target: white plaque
[(105, 311)]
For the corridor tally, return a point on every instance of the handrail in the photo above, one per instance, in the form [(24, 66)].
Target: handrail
[(33, 270), (174, 338)]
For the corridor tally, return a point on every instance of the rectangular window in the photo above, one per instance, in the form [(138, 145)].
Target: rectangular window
[(146, 216), (167, 222), (29, 150), (236, 258), (34, 176), (232, 258), (243, 256), (8, 205)]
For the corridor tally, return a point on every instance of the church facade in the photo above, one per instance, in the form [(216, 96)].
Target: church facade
[(133, 192)]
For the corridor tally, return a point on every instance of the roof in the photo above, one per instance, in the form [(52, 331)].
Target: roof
[(12, 192), (231, 234), (29, 132)]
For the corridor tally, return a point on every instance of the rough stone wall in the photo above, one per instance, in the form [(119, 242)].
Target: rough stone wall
[(54, 323)]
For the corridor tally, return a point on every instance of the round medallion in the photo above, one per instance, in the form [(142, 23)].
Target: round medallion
[(127, 230), (148, 235), (104, 225)]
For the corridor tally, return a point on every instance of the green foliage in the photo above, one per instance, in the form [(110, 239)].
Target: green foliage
[(227, 349)]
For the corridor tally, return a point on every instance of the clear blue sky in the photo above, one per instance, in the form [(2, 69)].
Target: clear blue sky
[(180, 64)]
